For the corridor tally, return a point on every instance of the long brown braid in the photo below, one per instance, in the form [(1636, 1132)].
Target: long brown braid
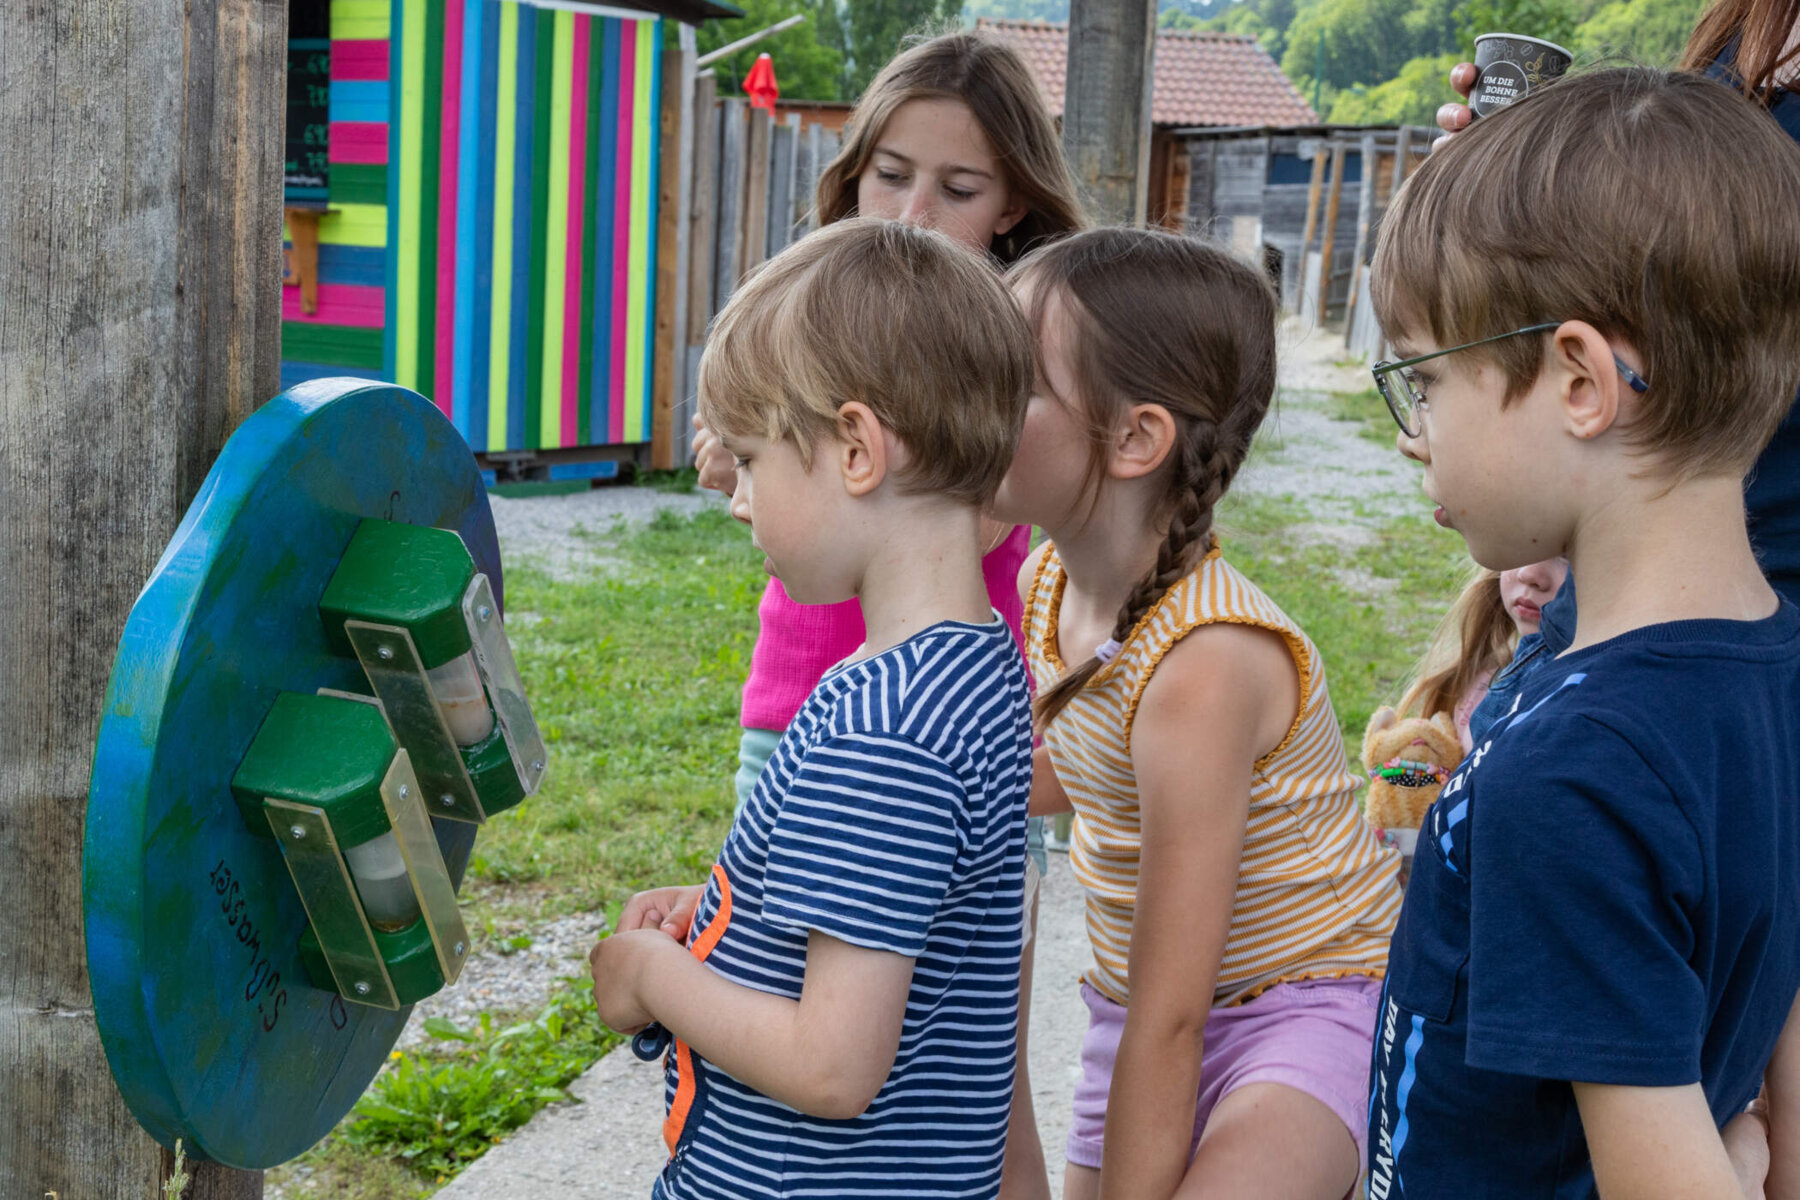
[(1168, 320)]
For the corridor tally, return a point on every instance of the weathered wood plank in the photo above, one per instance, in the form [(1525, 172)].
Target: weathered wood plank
[(668, 230), (702, 215), (1329, 237), (728, 256), (782, 144), (756, 188), (140, 268)]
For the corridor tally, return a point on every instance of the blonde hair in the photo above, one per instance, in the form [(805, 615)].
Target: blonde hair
[(1160, 319), (993, 81), (1620, 198), (898, 318), (1475, 639)]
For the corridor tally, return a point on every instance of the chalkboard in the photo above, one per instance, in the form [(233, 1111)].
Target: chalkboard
[(308, 118)]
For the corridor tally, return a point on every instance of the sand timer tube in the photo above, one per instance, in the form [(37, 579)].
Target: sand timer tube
[(382, 882), (457, 686)]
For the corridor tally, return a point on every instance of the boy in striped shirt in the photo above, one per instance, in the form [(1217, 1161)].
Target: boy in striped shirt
[(843, 993)]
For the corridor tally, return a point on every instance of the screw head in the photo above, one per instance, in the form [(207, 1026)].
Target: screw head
[(447, 800), (297, 831), (537, 764), (484, 612), (405, 791), (384, 652), (362, 989), (461, 949)]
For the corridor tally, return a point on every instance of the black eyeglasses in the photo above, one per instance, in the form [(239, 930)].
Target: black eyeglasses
[(1404, 391)]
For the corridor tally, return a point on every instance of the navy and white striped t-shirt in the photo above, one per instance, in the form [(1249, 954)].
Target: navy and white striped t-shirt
[(891, 816)]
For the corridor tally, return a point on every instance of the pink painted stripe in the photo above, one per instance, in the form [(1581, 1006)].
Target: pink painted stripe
[(359, 59), (359, 141), (621, 281), (444, 372), (572, 330), (339, 304)]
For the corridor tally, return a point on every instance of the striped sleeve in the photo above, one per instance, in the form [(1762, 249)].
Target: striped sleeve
[(866, 842)]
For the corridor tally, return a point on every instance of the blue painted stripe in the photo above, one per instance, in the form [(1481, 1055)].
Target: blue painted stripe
[(605, 185), (525, 133), (391, 267), (480, 342), (365, 266), (357, 96), (1408, 1076), (651, 196), (467, 183)]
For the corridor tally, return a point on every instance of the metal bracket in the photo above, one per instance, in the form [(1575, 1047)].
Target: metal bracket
[(321, 877), (500, 675), (397, 673), (425, 867)]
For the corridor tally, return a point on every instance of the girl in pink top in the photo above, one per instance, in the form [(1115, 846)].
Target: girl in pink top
[(953, 135)]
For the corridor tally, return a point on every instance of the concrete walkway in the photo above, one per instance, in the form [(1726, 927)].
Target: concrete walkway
[(610, 1146)]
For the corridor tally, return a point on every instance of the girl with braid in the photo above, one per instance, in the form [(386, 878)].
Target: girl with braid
[(1238, 907)]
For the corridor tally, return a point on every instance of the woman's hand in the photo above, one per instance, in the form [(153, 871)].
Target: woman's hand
[(718, 470), (1453, 118)]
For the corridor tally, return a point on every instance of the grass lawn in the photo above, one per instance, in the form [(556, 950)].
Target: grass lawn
[(634, 672)]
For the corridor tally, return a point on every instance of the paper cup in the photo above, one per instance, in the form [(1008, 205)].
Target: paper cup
[(1509, 66)]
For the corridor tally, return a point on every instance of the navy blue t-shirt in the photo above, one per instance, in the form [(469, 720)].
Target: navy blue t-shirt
[(1607, 890)]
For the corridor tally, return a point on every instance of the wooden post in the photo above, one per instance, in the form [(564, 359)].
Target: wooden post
[(819, 152), (1106, 105), (140, 274), (1402, 152), (1313, 192), (1329, 235), (1365, 212), (784, 140), (702, 212), (728, 261), (666, 352), (756, 188)]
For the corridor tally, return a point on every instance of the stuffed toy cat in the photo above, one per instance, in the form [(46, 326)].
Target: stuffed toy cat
[(1408, 762)]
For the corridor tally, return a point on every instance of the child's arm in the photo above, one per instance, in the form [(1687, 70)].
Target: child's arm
[(1220, 699), (826, 1054), (1047, 795), (1781, 1089), (1658, 1143)]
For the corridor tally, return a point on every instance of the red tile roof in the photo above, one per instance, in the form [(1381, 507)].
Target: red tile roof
[(1201, 78)]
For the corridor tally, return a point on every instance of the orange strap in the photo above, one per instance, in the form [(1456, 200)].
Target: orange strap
[(700, 947)]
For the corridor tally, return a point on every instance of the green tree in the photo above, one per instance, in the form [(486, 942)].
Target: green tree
[(1653, 32), (1356, 41), (1410, 98), (1552, 20), (808, 66), (873, 31)]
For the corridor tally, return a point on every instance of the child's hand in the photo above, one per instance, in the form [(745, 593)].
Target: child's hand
[(670, 909), (1746, 1138), (618, 964), (718, 470)]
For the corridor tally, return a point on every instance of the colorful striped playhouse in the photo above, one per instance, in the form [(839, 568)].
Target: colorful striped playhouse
[(489, 236)]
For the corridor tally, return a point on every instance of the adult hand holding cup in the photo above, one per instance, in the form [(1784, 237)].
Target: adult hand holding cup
[(1490, 49)]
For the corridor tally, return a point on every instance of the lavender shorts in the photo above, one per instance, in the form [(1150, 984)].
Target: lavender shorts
[(1314, 1035)]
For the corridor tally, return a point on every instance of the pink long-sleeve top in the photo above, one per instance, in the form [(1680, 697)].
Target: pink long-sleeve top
[(798, 643)]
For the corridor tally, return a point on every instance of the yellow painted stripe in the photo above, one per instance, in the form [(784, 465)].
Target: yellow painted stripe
[(643, 114), (556, 240), (411, 197), (360, 18), (506, 116), (354, 225)]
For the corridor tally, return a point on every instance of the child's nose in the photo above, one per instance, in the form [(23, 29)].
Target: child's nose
[(740, 504), (1412, 447)]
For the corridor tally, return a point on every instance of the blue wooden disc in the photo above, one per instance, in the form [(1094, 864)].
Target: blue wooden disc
[(209, 1022)]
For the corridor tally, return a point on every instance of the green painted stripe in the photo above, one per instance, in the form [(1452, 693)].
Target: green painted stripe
[(332, 345), (540, 175), (412, 113), (643, 196), (505, 130), (431, 132), (359, 183), (590, 222)]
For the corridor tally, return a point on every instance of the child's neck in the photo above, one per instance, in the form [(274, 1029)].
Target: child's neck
[(924, 568), (1649, 557), (1104, 557)]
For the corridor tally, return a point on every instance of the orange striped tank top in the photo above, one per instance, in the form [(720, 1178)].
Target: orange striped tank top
[(1317, 895)]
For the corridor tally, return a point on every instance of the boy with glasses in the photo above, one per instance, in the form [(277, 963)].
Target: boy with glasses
[(1598, 314)]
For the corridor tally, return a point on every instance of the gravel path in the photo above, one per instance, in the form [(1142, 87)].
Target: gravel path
[(609, 1146)]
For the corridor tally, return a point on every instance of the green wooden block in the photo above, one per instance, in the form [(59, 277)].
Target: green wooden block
[(496, 778), (359, 183), (323, 751), (332, 345), (405, 575)]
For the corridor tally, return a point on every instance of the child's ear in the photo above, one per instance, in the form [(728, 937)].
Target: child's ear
[(1594, 394), (1142, 443), (862, 449)]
